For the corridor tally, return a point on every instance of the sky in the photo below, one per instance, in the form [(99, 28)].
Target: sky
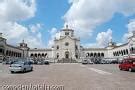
[(95, 22)]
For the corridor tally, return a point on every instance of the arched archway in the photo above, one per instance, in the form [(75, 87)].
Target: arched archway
[(31, 55), (39, 55), (91, 55), (67, 54), (45, 55), (102, 55), (42, 54), (95, 54), (57, 55), (124, 52), (87, 54), (7, 53), (35, 54), (99, 55), (127, 51)]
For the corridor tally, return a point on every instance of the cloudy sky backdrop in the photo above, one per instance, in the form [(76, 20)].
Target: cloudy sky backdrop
[(94, 21)]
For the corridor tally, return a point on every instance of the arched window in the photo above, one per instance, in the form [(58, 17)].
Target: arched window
[(127, 51), (102, 54), (95, 54), (31, 55), (66, 54), (87, 55), (98, 54), (91, 54), (117, 53), (76, 56), (45, 54), (39, 54), (57, 47), (7, 52), (57, 55), (35, 55), (76, 47), (124, 52), (113, 53), (132, 50), (42, 54)]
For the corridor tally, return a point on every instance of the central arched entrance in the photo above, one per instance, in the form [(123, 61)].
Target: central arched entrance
[(67, 55)]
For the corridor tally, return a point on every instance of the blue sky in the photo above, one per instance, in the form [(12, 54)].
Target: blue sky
[(49, 13), (94, 22)]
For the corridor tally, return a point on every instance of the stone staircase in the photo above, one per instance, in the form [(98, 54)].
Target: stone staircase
[(66, 60)]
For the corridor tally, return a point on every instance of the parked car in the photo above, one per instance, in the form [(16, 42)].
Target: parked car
[(40, 62), (85, 61), (20, 66), (90, 62), (114, 62), (35, 62), (46, 62), (127, 64), (7, 62), (31, 61), (0, 61), (103, 62)]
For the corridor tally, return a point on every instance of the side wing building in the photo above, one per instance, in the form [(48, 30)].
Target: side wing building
[(67, 49)]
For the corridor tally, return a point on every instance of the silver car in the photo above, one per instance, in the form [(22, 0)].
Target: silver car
[(21, 66), (85, 61)]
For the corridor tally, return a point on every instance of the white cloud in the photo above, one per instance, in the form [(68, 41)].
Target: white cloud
[(54, 34), (131, 28), (85, 15), (35, 28), (104, 37), (131, 25), (102, 40), (13, 11), (53, 31), (15, 33)]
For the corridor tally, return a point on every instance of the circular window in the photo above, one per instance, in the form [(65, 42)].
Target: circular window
[(66, 44)]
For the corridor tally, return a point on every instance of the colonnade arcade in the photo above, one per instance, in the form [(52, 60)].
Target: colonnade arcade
[(10, 53), (39, 55), (96, 55)]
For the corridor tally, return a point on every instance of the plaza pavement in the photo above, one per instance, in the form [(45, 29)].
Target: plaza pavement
[(72, 77)]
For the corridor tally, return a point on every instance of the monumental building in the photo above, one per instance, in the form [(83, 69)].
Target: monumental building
[(67, 49)]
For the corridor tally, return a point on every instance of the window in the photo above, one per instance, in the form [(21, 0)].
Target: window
[(21, 45), (66, 33), (66, 44), (76, 47), (57, 55), (57, 47)]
